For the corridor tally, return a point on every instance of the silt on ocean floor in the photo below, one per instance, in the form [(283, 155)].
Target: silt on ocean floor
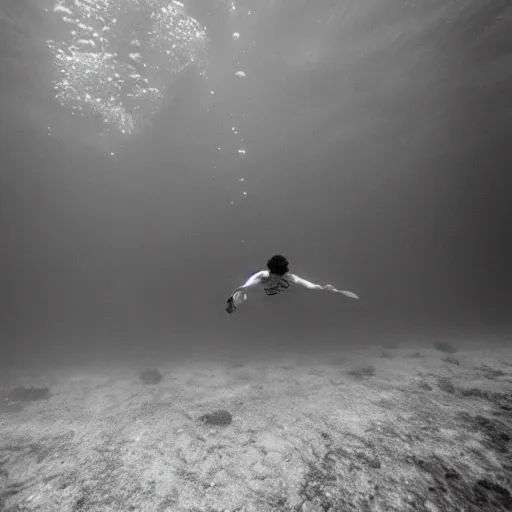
[(411, 431)]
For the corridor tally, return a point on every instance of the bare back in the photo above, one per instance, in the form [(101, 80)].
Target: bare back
[(274, 284)]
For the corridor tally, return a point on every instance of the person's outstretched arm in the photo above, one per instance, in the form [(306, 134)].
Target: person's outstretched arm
[(305, 284), (328, 287), (254, 280)]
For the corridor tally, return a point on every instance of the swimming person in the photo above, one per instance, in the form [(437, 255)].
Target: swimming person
[(275, 280)]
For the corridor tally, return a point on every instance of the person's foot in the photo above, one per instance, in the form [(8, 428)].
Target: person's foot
[(351, 295)]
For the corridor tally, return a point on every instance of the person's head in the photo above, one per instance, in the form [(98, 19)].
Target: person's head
[(278, 265)]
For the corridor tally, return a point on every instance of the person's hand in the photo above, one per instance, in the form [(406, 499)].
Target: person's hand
[(350, 295), (231, 305)]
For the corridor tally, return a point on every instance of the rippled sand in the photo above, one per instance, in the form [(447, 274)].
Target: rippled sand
[(423, 431)]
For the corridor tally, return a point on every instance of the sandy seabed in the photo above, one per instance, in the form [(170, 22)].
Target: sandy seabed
[(393, 429)]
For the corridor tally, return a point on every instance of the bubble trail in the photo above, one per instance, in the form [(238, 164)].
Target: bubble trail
[(121, 55)]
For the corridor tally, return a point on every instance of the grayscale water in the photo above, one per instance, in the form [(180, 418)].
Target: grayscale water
[(154, 154)]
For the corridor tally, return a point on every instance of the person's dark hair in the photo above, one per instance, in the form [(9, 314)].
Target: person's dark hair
[(278, 265)]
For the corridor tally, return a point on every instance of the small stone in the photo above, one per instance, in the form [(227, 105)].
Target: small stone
[(22, 394), (219, 418), (446, 385), (150, 377), (260, 470), (365, 371), (444, 347), (257, 485), (311, 507), (252, 455), (430, 506)]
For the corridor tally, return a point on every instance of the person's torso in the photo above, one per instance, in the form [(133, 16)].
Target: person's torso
[(273, 284)]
